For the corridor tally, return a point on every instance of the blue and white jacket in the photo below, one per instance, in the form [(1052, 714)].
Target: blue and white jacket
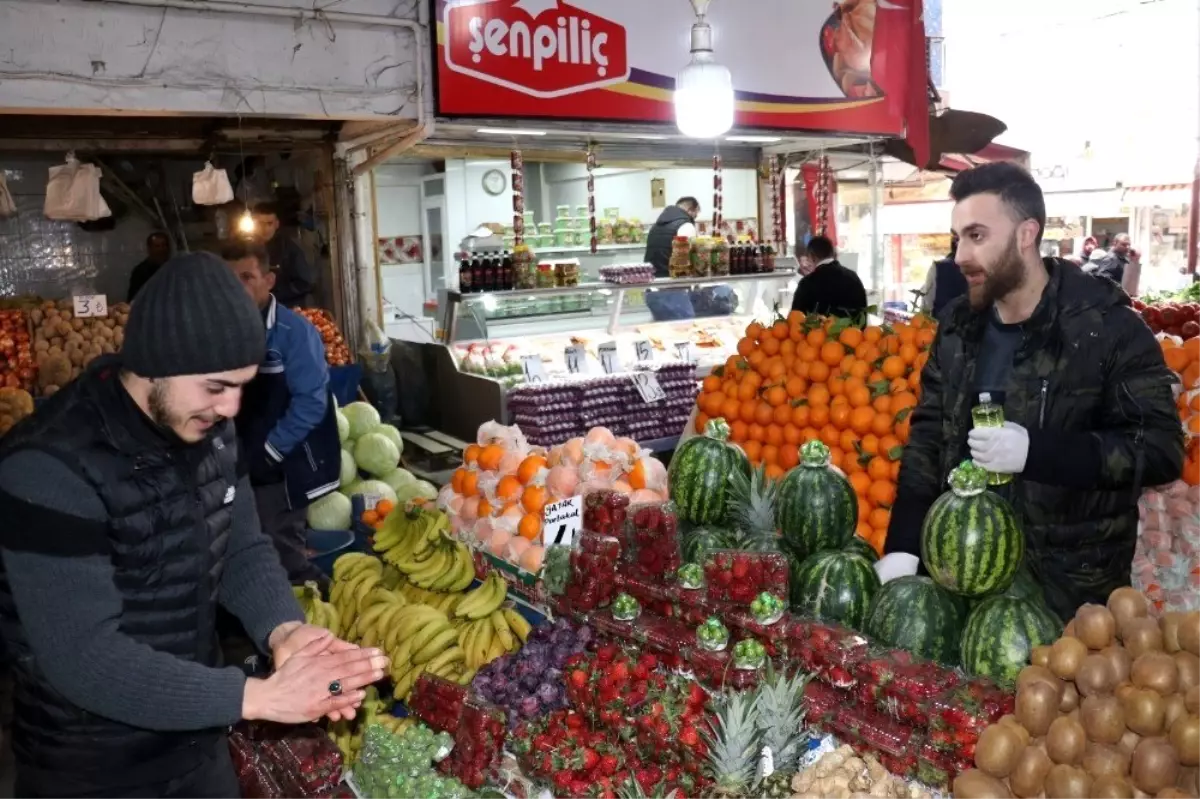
[(288, 422)]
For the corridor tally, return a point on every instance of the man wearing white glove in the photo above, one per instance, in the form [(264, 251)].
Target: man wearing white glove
[(1087, 398)]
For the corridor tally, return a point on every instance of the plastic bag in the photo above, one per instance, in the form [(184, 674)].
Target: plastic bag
[(379, 378), (7, 206), (73, 193), (276, 761), (210, 186)]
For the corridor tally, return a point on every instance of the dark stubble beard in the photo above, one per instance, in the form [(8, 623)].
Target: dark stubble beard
[(1004, 277), (160, 409)]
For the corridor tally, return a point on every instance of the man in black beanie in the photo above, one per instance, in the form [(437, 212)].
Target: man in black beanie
[(126, 526)]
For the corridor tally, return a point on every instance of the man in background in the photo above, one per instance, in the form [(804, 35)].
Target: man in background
[(295, 276), (287, 425), (944, 284), (158, 252), (678, 220), (831, 288), (1112, 266)]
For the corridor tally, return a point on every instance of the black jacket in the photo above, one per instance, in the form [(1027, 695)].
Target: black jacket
[(949, 284), (295, 276), (167, 539), (141, 276), (831, 289), (658, 242), (1112, 266), (1090, 385)]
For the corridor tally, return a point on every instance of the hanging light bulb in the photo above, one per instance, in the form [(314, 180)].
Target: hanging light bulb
[(704, 101), (246, 224)]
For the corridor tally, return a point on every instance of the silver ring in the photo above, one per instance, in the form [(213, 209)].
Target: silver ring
[(335, 688)]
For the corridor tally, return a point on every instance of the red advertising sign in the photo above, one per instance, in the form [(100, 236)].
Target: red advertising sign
[(796, 66)]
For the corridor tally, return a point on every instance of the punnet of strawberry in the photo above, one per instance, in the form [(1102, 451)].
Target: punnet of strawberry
[(605, 512), (666, 637), (655, 537), (478, 744), (901, 685), (867, 730), (825, 650), (715, 671), (737, 576), (593, 572), (438, 702), (957, 717)]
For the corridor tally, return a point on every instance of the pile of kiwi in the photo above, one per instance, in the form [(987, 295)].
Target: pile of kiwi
[(1109, 711)]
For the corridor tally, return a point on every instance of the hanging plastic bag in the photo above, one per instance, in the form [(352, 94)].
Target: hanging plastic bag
[(210, 186), (8, 208), (73, 193), (379, 379)]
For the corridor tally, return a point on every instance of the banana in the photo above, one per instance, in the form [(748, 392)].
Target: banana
[(351, 563), (518, 623), (364, 587), (431, 570), (401, 660), (497, 650), (485, 599), (467, 569), (503, 633), (434, 646), (372, 612), (404, 684), (446, 660), (376, 631), (467, 676), (410, 625), (483, 641), (430, 630)]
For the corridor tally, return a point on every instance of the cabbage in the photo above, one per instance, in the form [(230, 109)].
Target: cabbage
[(362, 417), (352, 489), (399, 479), (349, 469), (418, 489), (392, 434), (330, 512), (375, 453), (378, 488), (343, 426)]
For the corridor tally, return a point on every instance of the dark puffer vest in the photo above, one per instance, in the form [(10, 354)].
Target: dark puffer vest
[(168, 532), (662, 234)]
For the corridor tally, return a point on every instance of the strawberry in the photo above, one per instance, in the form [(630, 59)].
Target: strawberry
[(689, 737), (609, 764)]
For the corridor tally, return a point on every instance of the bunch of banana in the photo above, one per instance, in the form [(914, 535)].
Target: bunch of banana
[(484, 599), (417, 545), (424, 640), (316, 611), (501, 632), (348, 735), (446, 603)]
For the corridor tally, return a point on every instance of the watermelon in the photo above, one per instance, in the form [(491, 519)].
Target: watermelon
[(700, 541), (699, 475), (971, 541), (1000, 634), (917, 614), (834, 587), (859, 546), (1024, 586), (817, 508)]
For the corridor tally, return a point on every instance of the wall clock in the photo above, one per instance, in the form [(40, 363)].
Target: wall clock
[(494, 182)]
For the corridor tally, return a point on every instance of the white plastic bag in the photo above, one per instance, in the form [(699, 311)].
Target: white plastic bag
[(73, 193), (7, 206), (211, 186)]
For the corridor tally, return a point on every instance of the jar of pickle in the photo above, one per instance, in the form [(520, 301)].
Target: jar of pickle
[(680, 264), (524, 267), (702, 254), (720, 257), (545, 276)]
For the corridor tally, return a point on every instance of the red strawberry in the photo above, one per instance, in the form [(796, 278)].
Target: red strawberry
[(689, 737)]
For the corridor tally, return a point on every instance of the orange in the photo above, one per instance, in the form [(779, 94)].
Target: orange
[(532, 500), (754, 331), (776, 395), (831, 436), (773, 435), (908, 353), (904, 429), (879, 518), (861, 419), (818, 394), (807, 352), (711, 383), (770, 345), (872, 333), (832, 353), (471, 453), (815, 338), (763, 413), (509, 487), (848, 441), (889, 447), (882, 492), (731, 410), (1177, 358), (738, 431), (879, 469), (789, 453), (756, 433), (818, 415), (747, 410), (701, 422), (780, 329), (470, 484), (747, 390), (881, 425), (839, 416), (776, 369), (485, 509), (811, 434), (858, 395), (456, 482), (795, 387), (800, 414), (783, 414), (882, 404), (851, 337), (897, 385), (774, 471), (893, 366), (837, 385), (870, 443), (902, 401), (370, 517), (864, 508), (818, 372), (489, 457), (530, 527), (770, 454), (791, 435), (530, 467), (753, 449)]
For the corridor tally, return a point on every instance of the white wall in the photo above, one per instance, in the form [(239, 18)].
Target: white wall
[(105, 57)]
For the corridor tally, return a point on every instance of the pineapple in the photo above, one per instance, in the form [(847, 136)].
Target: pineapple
[(733, 749), (753, 512), (781, 723)]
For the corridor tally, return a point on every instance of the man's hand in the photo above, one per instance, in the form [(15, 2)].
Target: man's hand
[(294, 636), (300, 690), (1002, 450)]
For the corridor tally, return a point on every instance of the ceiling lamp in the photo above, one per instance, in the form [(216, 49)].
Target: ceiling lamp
[(704, 89)]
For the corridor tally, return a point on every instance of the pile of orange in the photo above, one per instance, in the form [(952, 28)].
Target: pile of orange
[(804, 378), (374, 517), (1184, 360)]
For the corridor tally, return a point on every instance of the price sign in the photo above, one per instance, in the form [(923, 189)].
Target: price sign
[(562, 521), (371, 500), (685, 352), (577, 360), (91, 305), (531, 365), (644, 351), (647, 385), (609, 358)]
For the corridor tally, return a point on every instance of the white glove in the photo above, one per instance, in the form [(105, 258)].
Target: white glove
[(1002, 450), (897, 564)]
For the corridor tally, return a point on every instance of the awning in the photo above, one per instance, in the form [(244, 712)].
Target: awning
[(1161, 194), (956, 162)]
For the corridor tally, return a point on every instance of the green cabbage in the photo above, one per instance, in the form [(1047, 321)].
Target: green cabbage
[(349, 469), (378, 488), (343, 426), (399, 479), (352, 489), (375, 453), (330, 512), (362, 417), (392, 434), (418, 489)]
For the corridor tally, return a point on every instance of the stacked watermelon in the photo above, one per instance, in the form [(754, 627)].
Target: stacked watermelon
[(917, 614), (817, 508), (834, 587), (699, 475)]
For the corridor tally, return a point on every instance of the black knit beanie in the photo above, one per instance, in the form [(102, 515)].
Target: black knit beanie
[(193, 318)]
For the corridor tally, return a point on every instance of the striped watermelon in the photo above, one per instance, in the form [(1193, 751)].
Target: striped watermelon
[(1024, 586), (817, 508), (699, 475), (971, 541), (859, 546), (917, 614), (1000, 634), (700, 541), (834, 587)]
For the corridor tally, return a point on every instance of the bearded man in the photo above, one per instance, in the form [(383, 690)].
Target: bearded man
[(1088, 400)]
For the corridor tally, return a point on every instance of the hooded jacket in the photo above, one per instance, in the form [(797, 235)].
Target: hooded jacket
[(1090, 385)]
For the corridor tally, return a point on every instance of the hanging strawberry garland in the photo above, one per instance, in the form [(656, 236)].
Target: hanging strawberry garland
[(718, 189), (518, 191), (591, 194), (776, 205), (823, 196)]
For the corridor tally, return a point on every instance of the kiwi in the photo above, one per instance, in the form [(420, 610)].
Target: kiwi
[(1095, 626), (1037, 706), (1070, 628), (1110, 787), (1029, 774), (997, 750), (1066, 741), (1156, 670), (1170, 630), (1066, 782), (974, 784), (1040, 656), (1125, 604), (1021, 732), (1102, 760), (1155, 765), (1144, 711), (1140, 636), (1174, 706), (1066, 655), (1070, 699), (1189, 670), (1189, 780), (1040, 674), (1121, 661), (1189, 632), (1191, 700), (1185, 737), (1173, 793), (1129, 742), (1095, 675), (1103, 719)]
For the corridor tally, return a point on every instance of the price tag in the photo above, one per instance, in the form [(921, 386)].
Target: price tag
[(647, 385), (644, 351), (371, 500), (609, 358), (562, 521), (91, 305), (531, 365), (577, 360), (685, 352)]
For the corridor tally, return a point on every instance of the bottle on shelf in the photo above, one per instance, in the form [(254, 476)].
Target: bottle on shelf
[(476, 273), (506, 272), (464, 273), (990, 414)]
